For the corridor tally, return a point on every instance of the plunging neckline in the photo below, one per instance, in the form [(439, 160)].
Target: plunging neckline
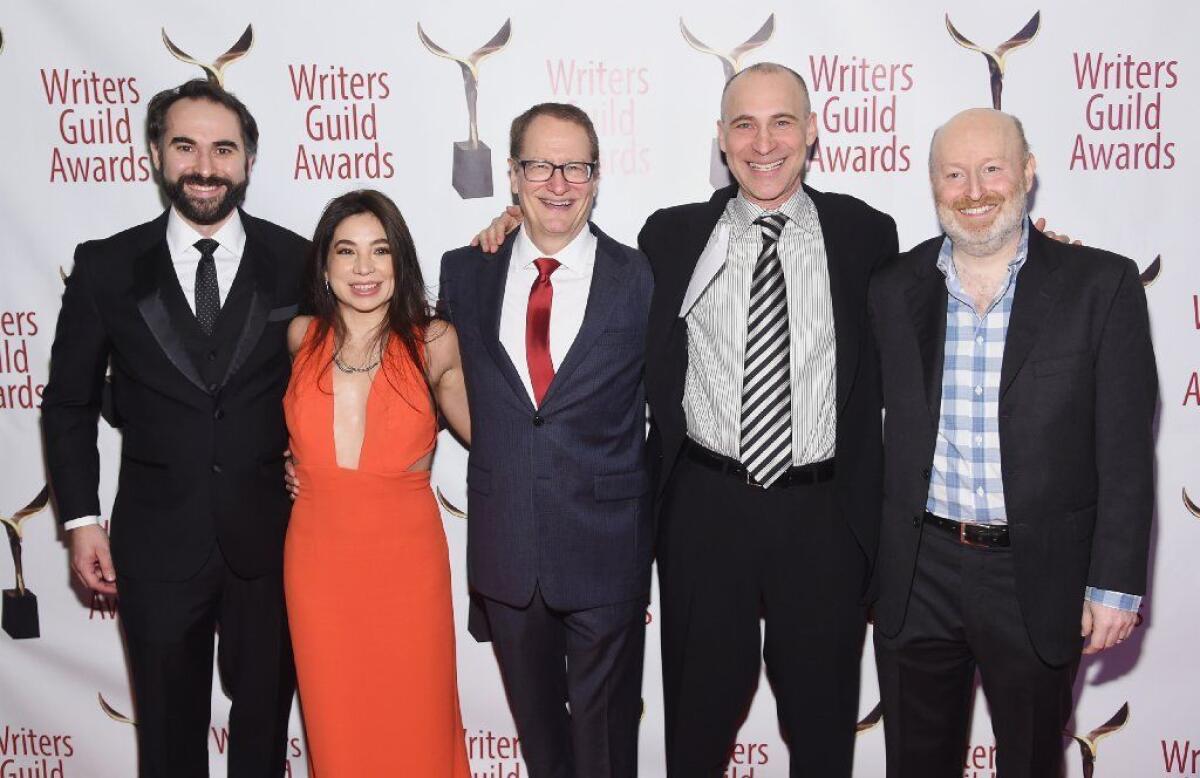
[(362, 444)]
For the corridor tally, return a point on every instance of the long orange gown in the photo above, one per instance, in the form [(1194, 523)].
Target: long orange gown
[(367, 580)]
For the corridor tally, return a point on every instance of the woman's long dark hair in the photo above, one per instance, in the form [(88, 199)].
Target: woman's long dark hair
[(408, 313)]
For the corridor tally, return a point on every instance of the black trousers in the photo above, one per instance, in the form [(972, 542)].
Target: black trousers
[(169, 636), (730, 555), (963, 615), (590, 660)]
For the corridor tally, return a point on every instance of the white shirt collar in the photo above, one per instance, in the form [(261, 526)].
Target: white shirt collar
[(182, 237), (578, 256)]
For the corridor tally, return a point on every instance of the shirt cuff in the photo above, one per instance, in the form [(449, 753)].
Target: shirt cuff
[(1118, 600), (82, 521)]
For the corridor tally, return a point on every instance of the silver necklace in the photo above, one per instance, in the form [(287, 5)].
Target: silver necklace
[(352, 369)]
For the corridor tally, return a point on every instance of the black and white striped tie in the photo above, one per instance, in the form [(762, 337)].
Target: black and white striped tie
[(766, 385)]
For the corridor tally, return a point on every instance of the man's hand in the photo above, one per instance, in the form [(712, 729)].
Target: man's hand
[(1040, 224), (289, 474), (1106, 626), (492, 237), (91, 560)]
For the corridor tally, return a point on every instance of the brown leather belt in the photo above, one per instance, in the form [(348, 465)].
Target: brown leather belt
[(971, 534), (802, 475)]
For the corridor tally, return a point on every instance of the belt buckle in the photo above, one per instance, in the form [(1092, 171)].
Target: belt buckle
[(964, 540)]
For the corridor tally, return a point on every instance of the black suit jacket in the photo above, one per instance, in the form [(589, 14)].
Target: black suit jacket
[(1077, 393), (203, 428), (857, 240), (559, 495)]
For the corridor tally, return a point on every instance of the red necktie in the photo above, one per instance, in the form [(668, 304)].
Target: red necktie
[(537, 329)]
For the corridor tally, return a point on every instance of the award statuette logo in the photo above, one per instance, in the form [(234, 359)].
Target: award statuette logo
[(1088, 743), (1150, 274), (450, 507), (995, 59), (731, 61), (215, 71), (112, 712), (20, 614), (1191, 506), (871, 720), (471, 176)]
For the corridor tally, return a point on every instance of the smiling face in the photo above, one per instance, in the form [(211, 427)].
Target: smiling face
[(554, 211), (203, 166), (766, 130), (981, 179), (359, 266)]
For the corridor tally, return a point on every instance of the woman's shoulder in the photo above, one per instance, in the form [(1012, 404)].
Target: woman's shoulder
[(297, 332)]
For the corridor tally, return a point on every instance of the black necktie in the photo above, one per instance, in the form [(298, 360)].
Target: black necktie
[(208, 297)]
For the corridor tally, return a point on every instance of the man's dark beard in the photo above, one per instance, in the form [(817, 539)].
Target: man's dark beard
[(205, 214)]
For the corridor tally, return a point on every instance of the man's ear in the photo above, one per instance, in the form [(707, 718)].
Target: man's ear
[(250, 163), (721, 134), (155, 157), (512, 177), (811, 130), (1030, 170)]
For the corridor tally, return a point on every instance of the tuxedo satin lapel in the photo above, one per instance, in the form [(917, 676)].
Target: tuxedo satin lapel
[(1038, 287), (493, 277), (602, 296), (258, 273), (927, 305), (165, 310), (847, 314)]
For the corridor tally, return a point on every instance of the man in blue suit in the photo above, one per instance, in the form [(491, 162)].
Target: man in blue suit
[(552, 331)]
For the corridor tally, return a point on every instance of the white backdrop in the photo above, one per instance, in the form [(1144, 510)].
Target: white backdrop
[(74, 82)]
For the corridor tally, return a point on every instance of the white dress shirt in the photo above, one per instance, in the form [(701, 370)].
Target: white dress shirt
[(181, 239), (712, 395), (571, 281)]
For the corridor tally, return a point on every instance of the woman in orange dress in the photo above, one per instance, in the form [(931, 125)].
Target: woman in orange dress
[(366, 567)]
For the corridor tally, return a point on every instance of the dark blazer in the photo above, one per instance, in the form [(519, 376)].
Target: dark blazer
[(203, 428), (558, 495), (857, 240), (1077, 393)]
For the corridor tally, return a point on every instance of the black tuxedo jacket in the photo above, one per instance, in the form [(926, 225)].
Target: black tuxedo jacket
[(1077, 394), (559, 495), (202, 419), (857, 240)]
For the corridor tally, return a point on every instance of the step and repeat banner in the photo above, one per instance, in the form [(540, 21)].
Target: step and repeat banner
[(415, 99)]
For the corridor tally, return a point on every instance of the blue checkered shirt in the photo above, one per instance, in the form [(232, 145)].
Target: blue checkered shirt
[(965, 483)]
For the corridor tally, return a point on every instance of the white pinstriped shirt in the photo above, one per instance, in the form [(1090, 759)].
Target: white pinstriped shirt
[(716, 325)]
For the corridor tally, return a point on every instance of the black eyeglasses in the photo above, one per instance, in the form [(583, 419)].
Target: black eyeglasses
[(537, 171)]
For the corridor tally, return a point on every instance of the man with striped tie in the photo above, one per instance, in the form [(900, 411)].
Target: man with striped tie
[(764, 397), (765, 438)]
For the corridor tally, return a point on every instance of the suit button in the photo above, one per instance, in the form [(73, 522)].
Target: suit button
[(216, 468), (210, 356), (538, 420), (917, 520), (219, 414), (212, 388), (925, 474)]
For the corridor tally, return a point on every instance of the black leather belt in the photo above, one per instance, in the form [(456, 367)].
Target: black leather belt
[(803, 475), (971, 534)]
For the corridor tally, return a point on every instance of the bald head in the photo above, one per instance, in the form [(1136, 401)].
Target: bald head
[(981, 171), (979, 124), (783, 73)]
